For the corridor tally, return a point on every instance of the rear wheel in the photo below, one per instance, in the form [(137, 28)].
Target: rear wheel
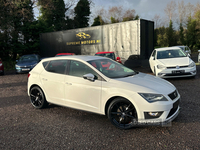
[(37, 98), (122, 113)]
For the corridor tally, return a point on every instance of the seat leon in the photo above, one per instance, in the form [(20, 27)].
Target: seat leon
[(101, 85)]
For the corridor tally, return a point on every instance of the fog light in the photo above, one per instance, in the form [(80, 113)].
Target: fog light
[(152, 115)]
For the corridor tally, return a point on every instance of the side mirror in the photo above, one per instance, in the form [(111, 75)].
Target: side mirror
[(89, 76)]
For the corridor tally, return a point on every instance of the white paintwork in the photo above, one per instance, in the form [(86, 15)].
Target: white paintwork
[(80, 93), (171, 62)]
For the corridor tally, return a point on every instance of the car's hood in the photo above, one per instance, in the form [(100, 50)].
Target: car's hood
[(26, 63), (181, 61), (147, 83)]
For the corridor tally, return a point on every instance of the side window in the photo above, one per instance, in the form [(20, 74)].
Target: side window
[(45, 64), (154, 53), (57, 66), (79, 69)]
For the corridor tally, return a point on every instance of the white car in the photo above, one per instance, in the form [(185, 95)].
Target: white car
[(199, 56), (103, 86), (171, 62)]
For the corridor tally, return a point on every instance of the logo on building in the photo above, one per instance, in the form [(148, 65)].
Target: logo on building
[(82, 35)]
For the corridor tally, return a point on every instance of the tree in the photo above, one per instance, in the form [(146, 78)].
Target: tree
[(181, 35), (170, 10), (53, 13), (192, 33), (170, 34), (82, 13), (98, 21)]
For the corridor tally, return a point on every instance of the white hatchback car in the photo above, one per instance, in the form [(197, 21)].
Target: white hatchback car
[(171, 62), (103, 86)]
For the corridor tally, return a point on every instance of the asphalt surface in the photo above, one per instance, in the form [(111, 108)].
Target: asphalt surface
[(24, 127)]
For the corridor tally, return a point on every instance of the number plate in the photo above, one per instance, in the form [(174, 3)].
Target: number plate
[(178, 71), (26, 69)]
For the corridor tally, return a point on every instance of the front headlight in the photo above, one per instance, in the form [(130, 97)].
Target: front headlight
[(161, 67), (16, 66), (153, 97), (191, 65)]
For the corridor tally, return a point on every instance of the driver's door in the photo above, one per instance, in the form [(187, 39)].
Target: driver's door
[(82, 93)]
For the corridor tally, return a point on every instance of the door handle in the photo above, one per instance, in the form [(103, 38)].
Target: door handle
[(68, 83), (44, 79)]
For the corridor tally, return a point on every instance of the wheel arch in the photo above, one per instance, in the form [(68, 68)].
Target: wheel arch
[(110, 100)]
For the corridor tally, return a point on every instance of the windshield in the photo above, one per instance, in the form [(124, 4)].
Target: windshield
[(175, 53), (29, 58), (109, 55), (111, 68)]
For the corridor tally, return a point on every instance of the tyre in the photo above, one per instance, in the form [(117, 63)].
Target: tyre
[(122, 113), (37, 98)]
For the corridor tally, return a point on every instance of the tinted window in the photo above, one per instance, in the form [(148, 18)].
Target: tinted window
[(154, 53), (57, 66), (45, 63), (79, 69)]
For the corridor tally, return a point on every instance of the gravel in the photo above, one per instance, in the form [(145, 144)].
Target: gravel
[(24, 127)]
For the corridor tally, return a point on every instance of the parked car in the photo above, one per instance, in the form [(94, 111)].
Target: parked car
[(64, 54), (171, 62), (1, 67), (186, 49), (26, 63), (110, 55), (127, 97), (199, 56)]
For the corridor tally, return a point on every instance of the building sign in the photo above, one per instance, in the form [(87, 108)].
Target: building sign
[(90, 37)]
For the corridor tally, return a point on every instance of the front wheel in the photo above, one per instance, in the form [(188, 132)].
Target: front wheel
[(37, 98), (122, 113)]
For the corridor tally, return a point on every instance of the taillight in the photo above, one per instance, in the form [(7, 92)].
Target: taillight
[(29, 75)]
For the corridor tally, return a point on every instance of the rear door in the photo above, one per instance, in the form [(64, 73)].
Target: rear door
[(53, 81)]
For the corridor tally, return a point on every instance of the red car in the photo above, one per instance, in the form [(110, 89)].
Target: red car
[(109, 55), (1, 68), (64, 54)]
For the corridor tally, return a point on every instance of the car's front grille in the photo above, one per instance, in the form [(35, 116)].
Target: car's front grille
[(174, 67), (174, 109), (173, 95), (25, 67)]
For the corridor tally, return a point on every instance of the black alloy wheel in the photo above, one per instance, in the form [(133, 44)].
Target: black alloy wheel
[(37, 98), (122, 113)]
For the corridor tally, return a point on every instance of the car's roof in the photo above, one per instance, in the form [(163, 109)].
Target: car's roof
[(166, 48), (64, 53), (103, 52), (76, 57), (180, 46)]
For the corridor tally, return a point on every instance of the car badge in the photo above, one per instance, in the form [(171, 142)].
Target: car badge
[(177, 67)]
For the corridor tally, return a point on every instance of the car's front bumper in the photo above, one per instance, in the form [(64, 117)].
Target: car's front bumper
[(174, 73), (23, 69)]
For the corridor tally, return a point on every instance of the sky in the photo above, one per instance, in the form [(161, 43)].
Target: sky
[(146, 9)]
